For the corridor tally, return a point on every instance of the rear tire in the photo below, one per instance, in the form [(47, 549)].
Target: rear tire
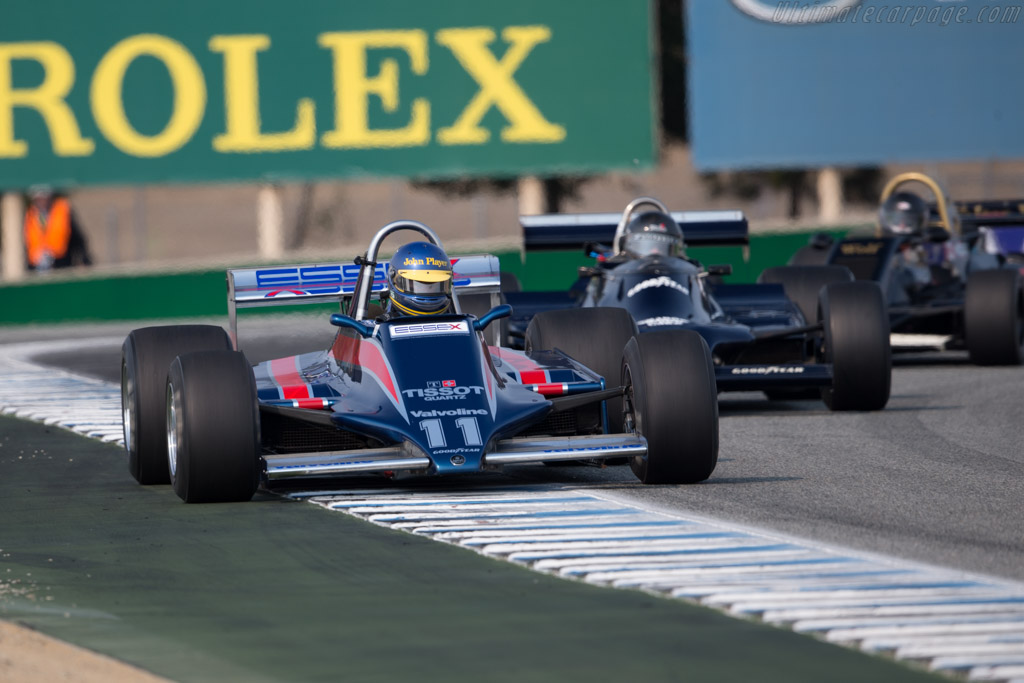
[(804, 283), (145, 357), (510, 282), (213, 439), (594, 337), (672, 401), (994, 317), (856, 343)]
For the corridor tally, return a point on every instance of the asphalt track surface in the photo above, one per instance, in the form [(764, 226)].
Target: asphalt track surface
[(935, 478)]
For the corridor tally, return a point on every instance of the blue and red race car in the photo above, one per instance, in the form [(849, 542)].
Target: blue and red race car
[(405, 396)]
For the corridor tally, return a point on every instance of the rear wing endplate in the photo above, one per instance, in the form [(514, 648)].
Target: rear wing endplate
[(318, 283), (572, 231)]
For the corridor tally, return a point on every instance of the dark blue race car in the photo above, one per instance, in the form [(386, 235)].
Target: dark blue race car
[(950, 271), (799, 332), (401, 396)]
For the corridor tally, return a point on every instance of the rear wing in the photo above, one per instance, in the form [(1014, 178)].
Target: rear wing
[(318, 283), (572, 231), (990, 213)]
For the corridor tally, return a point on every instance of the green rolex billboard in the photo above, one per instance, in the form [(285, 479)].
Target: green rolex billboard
[(119, 91)]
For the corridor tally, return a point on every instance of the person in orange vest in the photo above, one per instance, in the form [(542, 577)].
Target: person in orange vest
[(53, 238)]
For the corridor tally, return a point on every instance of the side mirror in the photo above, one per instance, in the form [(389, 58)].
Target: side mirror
[(342, 320), (721, 269), (935, 233), (589, 271), (502, 311)]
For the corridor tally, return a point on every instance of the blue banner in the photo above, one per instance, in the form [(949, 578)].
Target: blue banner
[(853, 82)]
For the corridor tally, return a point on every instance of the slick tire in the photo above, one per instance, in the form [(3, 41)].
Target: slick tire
[(672, 401), (856, 343), (145, 357), (804, 283), (594, 337), (994, 317), (213, 427)]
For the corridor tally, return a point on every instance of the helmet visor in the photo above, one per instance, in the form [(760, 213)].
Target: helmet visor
[(647, 243), (423, 282), (901, 221)]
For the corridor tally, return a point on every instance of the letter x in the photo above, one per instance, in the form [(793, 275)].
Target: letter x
[(497, 87)]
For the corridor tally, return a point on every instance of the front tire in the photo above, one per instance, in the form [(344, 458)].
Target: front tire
[(994, 317), (856, 343), (213, 440), (145, 357), (594, 337), (671, 400)]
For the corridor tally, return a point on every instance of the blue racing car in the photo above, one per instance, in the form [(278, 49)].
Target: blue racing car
[(410, 386)]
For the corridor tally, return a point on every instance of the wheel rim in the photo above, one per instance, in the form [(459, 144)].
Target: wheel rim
[(628, 417), (127, 400), (629, 411), (172, 432)]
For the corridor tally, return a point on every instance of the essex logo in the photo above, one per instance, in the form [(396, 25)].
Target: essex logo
[(406, 331)]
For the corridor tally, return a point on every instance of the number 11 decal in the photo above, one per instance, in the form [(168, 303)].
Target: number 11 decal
[(470, 430), (435, 432)]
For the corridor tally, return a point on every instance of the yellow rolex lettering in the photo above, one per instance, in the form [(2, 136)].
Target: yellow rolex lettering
[(242, 102), (189, 96), (497, 87), (48, 99), (353, 87)]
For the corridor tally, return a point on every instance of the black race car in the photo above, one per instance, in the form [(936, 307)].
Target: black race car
[(952, 283), (800, 332)]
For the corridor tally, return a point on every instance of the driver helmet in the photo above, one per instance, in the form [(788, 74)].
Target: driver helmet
[(903, 213), (650, 233), (420, 280)]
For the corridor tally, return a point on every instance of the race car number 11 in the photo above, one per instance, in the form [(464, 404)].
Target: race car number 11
[(469, 427)]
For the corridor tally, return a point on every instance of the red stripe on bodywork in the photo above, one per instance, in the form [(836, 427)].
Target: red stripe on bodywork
[(286, 374), (529, 372), (517, 360), (365, 354), (533, 376)]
